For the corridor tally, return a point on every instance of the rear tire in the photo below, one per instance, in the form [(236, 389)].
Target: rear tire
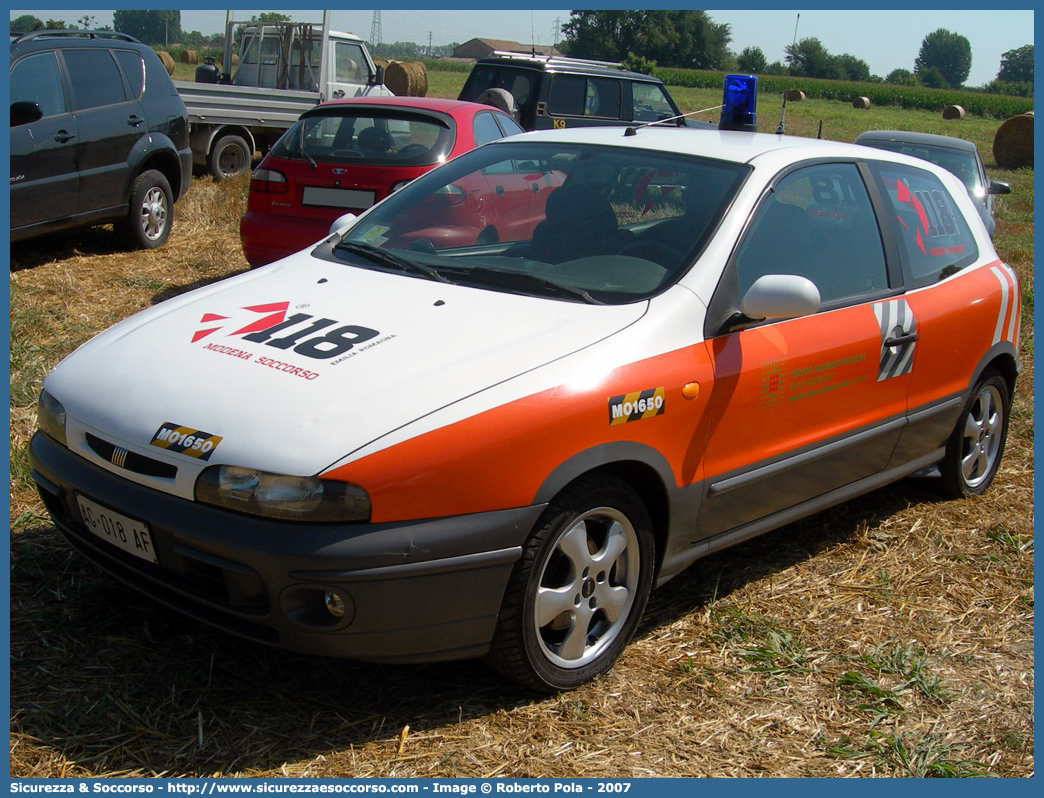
[(229, 156), (578, 592), (975, 448), (150, 216)]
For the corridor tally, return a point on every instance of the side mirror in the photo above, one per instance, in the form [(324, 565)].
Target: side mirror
[(342, 223), (997, 187), (25, 112), (780, 296), (378, 79)]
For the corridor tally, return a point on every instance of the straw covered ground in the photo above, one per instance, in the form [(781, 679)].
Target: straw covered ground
[(889, 637)]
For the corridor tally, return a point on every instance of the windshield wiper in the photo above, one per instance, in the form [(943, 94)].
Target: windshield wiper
[(384, 258), (525, 281)]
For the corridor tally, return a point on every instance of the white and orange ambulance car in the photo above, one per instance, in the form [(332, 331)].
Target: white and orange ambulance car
[(413, 442)]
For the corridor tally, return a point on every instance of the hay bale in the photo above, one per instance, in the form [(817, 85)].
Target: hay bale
[(953, 112), (795, 95), (189, 57), (406, 78), (167, 59), (1013, 142), (861, 102)]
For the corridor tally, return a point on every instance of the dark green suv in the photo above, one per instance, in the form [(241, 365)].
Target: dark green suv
[(98, 134), (553, 92)]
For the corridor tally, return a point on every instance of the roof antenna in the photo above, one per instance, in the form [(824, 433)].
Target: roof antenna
[(782, 116), (633, 129), (819, 135)]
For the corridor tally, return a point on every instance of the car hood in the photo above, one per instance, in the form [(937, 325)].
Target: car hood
[(292, 367)]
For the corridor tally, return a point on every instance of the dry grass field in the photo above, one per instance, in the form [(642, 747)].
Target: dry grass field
[(892, 636)]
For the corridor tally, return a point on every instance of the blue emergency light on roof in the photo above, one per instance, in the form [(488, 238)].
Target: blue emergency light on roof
[(739, 103)]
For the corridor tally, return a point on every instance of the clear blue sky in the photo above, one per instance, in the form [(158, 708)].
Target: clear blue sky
[(886, 40)]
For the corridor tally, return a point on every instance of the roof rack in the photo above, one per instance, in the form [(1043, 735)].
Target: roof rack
[(561, 60), (84, 34)]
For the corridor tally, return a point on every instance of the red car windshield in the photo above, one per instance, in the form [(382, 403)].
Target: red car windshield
[(370, 137)]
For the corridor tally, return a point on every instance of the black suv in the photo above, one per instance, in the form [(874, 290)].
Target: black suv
[(98, 134), (553, 92)]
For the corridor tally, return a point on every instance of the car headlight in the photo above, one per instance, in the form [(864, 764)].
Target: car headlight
[(247, 490), (50, 417)]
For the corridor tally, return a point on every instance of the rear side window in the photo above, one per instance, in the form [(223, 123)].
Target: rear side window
[(95, 78), (934, 240), (36, 78), (134, 69), (575, 95), (486, 129)]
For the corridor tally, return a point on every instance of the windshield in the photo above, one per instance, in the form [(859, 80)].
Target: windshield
[(567, 221), (368, 137)]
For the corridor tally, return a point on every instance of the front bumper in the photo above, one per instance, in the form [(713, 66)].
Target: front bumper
[(413, 592)]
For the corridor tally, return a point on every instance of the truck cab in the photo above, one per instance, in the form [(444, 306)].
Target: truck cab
[(289, 56)]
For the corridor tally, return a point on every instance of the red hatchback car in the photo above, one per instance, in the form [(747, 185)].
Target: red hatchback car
[(345, 155)]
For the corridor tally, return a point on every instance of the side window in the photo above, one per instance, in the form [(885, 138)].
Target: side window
[(95, 79), (486, 129), (36, 78), (817, 223), (567, 96), (134, 69), (650, 102), (934, 240), (350, 64), (603, 98), (508, 126)]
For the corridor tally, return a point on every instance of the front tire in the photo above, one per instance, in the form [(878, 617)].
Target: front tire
[(151, 214), (578, 592), (975, 448)]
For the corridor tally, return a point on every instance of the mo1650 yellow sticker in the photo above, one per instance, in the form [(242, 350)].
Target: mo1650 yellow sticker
[(636, 406)]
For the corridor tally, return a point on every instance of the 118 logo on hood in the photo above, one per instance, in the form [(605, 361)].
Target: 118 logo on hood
[(313, 339)]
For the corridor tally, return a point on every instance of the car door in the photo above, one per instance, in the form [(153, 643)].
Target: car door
[(110, 122), (805, 406), (44, 180)]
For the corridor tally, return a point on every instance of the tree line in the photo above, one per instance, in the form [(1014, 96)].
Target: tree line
[(646, 39), (692, 40)]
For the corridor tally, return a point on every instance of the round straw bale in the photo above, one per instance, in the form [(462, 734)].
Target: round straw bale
[(861, 102), (795, 95), (1013, 142), (407, 78), (189, 57), (167, 59), (953, 112)]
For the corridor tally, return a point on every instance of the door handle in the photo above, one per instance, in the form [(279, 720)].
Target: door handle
[(63, 136), (900, 340), (134, 120)]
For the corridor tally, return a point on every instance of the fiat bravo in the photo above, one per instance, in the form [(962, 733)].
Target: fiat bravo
[(408, 444)]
